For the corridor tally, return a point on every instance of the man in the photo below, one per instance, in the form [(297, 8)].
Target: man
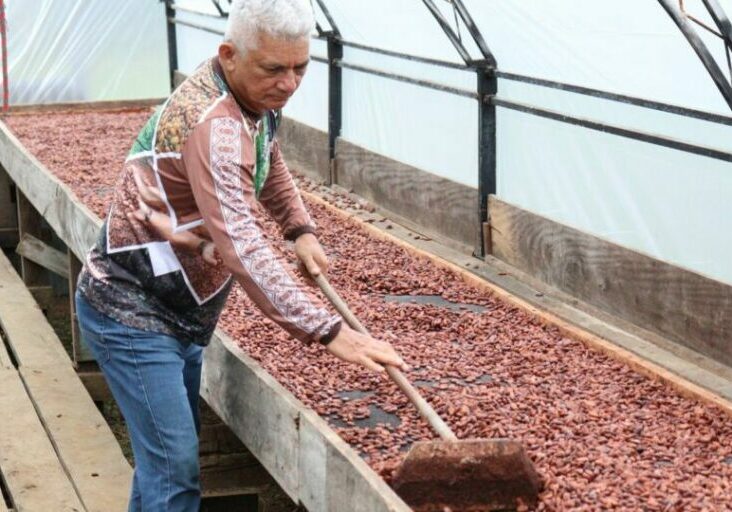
[(183, 223)]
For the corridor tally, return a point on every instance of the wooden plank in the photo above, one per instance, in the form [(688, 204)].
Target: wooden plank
[(30, 223), (36, 108), (308, 460), (686, 307), (41, 253), (75, 224), (334, 477), (8, 210), (83, 441), (305, 149), (259, 411), (34, 476), (80, 351), (178, 78), (31, 339), (6, 362), (434, 203)]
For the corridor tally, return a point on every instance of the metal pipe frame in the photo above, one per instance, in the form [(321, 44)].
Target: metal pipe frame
[(659, 140), (700, 48), (487, 85), (542, 82), (172, 42), (721, 20)]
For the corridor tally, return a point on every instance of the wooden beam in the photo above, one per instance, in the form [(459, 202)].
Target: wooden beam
[(436, 204), (85, 105), (8, 212), (305, 149), (80, 435), (311, 463), (74, 223), (30, 223), (43, 254), (688, 308), (80, 351), (31, 339), (33, 474), (6, 362)]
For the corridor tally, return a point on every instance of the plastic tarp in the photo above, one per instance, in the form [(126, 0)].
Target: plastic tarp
[(86, 50), (656, 200)]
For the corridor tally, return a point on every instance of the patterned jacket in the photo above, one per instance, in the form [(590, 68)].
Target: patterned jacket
[(210, 160)]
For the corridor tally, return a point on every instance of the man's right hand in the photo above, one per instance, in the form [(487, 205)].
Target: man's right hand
[(354, 347)]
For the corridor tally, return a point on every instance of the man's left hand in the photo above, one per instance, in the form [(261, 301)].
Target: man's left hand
[(311, 254)]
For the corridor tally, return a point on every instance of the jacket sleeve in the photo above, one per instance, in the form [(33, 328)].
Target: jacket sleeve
[(282, 199), (218, 160)]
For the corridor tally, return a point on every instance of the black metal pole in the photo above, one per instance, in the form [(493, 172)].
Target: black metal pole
[(172, 42), (335, 99), (697, 43), (487, 89)]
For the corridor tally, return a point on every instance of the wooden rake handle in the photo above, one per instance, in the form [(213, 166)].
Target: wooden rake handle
[(424, 408)]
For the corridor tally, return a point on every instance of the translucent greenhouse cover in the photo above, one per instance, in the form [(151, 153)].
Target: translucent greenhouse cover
[(672, 205), (80, 50)]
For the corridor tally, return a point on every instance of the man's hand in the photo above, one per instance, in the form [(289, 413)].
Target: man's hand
[(311, 254), (354, 347)]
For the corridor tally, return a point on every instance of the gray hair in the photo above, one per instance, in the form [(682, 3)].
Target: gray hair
[(282, 19)]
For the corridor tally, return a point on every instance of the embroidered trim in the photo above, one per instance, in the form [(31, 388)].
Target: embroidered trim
[(253, 251)]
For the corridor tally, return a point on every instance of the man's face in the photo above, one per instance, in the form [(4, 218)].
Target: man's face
[(265, 77)]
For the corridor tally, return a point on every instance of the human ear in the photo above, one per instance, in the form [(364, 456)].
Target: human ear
[(227, 52)]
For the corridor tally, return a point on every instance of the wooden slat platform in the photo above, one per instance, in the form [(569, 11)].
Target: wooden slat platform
[(34, 475), (85, 444), (32, 340), (56, 416)]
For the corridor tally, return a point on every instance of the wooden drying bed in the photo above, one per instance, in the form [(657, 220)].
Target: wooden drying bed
[(56, 450), (311, 463)]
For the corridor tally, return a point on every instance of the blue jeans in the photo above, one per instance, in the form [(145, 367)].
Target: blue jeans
[(155, 380)]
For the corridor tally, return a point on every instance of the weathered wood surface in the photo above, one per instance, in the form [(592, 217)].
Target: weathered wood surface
[(305, 149), (35, 478), (30, 223), (75, 224), (85, 105), (436, 204), (85, 445), (684, 306), (43, 254), (259, 410), (308, 460), (80, 352), (6, 362), (31, 339), (8, 212)]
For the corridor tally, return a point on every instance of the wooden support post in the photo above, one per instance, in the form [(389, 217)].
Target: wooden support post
[(81, 353), (8, 212), (487, 239), (41, 253), (30, 222)]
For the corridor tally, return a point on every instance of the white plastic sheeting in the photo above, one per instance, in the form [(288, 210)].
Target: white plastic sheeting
[(83, 50), (670, 204)]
